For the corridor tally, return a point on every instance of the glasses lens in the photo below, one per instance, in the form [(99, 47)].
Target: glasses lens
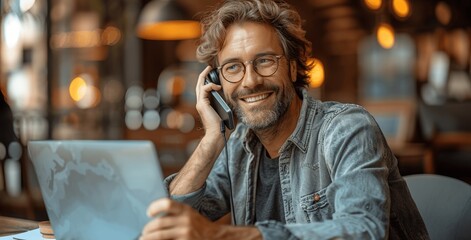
[(233, 71), (266, 65)]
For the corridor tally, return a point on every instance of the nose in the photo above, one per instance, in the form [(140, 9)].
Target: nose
[(251, 78)]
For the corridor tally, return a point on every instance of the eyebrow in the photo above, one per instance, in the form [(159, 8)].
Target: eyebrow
[(256, 56)]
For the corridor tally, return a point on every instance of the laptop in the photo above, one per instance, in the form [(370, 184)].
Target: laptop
[(97, 189)]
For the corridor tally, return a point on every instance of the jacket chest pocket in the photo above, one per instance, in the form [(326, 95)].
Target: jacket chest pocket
[(316, 207)]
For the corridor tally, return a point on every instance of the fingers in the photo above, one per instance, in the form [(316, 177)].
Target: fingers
[(164, 206), (180, 222), (200, 85), (174, 222), (167, 213), (203, 75), (169, 233), (209, 117), (161, 223)]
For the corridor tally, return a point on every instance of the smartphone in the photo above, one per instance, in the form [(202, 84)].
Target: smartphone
[(218, 102)]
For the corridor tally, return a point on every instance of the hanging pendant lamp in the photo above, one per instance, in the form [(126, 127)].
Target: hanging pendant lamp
[(166, 20)]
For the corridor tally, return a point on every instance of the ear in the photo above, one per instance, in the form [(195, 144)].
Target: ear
[(293, 70)]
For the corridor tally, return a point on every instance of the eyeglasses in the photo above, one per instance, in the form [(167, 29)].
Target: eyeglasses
[(264, 66)]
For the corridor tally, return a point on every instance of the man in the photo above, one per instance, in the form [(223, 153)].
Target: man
[(298, 168), (7, 133)]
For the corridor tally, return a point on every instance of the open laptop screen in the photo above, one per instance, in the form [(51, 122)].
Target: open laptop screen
[(97, 189)]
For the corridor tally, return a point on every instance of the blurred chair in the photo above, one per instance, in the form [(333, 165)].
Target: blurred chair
[(450, 144), (447, 131), (444, 203)]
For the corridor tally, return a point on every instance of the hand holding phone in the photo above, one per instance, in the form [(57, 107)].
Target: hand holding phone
[(218, 102)]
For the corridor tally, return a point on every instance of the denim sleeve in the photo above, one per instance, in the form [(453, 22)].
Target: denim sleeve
[(191, 199), (357, 159), (211, 199)]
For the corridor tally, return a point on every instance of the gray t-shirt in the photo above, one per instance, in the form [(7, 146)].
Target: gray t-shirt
[(268, 201)]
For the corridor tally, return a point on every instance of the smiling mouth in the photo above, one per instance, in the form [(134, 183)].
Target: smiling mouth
[(256, 98)]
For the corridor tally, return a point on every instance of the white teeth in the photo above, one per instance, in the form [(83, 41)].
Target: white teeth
[(256, 98)]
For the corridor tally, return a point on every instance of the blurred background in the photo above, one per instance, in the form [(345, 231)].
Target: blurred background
[(126, 69)]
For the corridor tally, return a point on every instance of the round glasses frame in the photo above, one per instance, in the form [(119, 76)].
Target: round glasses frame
[(256, 66)]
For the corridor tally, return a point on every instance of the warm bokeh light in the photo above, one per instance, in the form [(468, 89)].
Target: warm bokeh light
[(87, 38), (170, 30), (78, 88), (401, 8), (110, 36), (174, 119), (187, 124), (176, 85), (443, 13), (83, 92), (317, 73), (91, 98), (385, 35), (373, 4)]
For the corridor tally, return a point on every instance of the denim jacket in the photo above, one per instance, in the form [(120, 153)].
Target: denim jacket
[(339, 179)]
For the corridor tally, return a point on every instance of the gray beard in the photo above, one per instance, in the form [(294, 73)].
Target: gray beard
[(271, 117)]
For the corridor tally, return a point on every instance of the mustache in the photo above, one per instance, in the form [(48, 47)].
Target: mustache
[(257, 89)]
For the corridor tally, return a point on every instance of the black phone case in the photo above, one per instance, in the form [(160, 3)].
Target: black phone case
[(218, 102)]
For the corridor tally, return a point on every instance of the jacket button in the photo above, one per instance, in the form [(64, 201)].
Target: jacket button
[(317, 197)]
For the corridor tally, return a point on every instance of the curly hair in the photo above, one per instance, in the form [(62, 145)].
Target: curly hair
[(278, 14)]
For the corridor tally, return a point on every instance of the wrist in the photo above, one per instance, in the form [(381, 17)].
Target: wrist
[(213, 140)]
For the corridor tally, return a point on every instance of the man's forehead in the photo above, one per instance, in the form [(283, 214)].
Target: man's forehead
[(248, 39)]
